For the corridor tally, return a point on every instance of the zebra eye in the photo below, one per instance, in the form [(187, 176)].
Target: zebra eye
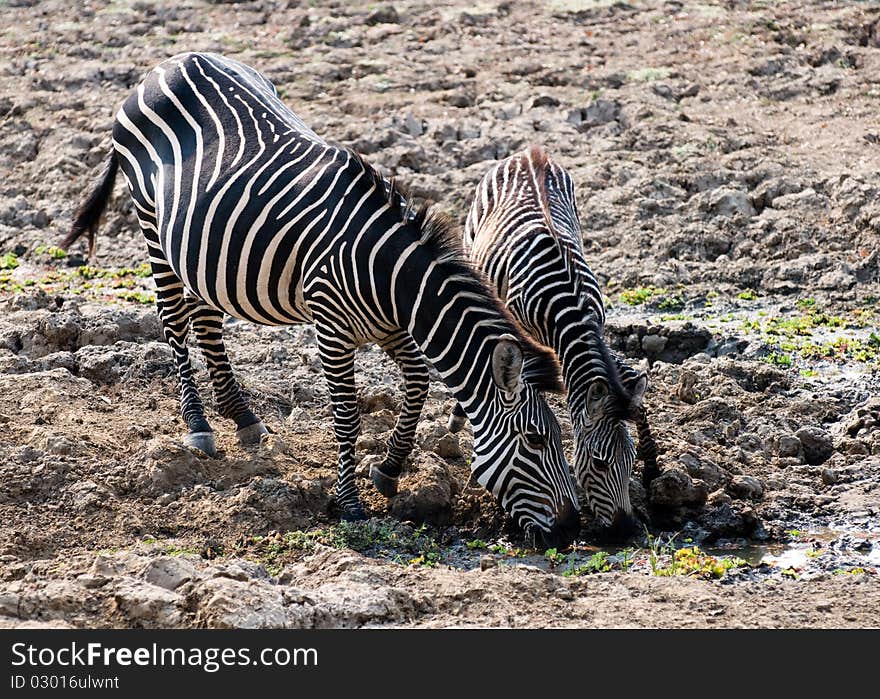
[(536, 440), (600, 464)]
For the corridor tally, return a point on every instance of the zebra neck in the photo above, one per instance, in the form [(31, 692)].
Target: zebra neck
[(455, 322), (577, 339)]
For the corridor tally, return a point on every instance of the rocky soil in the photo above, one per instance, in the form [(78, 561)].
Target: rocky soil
[(725, 157)]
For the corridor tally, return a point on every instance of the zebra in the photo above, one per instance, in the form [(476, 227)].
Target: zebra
[(523, 232), (247, 212)]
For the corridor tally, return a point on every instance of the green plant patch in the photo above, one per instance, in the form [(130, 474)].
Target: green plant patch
[(385, 538), (693, 562), (9, 261), (597, 563)]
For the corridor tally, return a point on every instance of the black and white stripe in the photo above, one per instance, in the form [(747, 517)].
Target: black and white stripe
[(247, 212), (523, 231)]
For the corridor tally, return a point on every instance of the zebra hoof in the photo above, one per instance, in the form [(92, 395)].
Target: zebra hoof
[(456, 423), (384, 484), (203, 441), (353, 513), (251, 434)]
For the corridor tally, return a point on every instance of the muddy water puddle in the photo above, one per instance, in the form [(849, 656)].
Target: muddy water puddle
[(808, 554)]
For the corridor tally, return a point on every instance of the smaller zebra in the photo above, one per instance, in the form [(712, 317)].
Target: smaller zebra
[(523, 232)]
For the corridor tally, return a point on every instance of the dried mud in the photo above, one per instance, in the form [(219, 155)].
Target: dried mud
[(725, 157)]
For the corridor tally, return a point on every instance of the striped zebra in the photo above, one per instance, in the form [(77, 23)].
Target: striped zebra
[(247, 212), (523, 231)]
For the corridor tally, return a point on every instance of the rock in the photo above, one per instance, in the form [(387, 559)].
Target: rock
[(730, 520), (448, 447), (654, 344), (686, 391), (488, 561), (545, 101), (789, 446), (746, 487), (169, 572), (374, 399), (460, 99), (829, 476), (429, 434), (426, 493), (383, 15), (674, 488), (817, 444), (767, 191), (148, 605), (836, 279), (169, 466), (236, 604), (414, 127), (597, 113), (707, 471), (731, 202), (718, 498)]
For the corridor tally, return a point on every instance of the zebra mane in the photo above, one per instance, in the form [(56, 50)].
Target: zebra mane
[(622, 395), (439, 236), (540, 162)]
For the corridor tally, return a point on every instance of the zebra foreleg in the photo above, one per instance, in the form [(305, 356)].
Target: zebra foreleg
[(409, 358), (174, 313), (207, 322), (337, 357)]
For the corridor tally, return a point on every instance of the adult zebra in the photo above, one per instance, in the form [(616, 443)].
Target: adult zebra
[(247, 212), (523, 231)]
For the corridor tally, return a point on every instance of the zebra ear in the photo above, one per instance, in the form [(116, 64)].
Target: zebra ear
[(637, 392), (596, 395), (507, 363)]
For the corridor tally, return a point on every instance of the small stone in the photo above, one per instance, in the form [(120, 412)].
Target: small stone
[(746, 487), (383, 15), (460, 100), (545, 101), (169, 572), (675, 488), (597, 113), (824, 605), (829, 476), (488, 561), (448, 447), (413, 126), (372, 401), (731, 202), (817, 443), (654, 344), (719, 497), (426, 494), (789, 446)]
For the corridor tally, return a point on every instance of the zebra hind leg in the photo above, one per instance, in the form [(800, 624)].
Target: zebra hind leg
[(174, 314), (207, 322), (337, 356), (406, 353)]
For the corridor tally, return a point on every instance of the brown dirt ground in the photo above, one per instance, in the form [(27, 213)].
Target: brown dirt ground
[(725, 157)]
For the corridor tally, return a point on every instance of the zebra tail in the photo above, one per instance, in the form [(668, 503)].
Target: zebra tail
[(88, 215), (647, 449)]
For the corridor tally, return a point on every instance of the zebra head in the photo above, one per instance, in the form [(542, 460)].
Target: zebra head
[(518, 455), (605, 453)]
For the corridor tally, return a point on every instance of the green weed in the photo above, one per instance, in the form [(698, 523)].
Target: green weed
[(9, 261)]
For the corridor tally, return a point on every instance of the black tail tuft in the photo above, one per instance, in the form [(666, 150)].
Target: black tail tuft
[(87, 216)]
